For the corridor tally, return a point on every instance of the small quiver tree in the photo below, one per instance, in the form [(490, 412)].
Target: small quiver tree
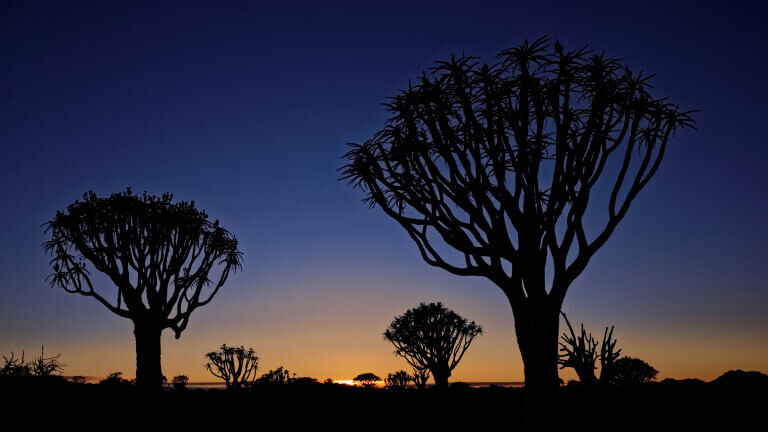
[(236, 366), (398, 380), (159, 257), (420, 377), (432, 337), (580, 353)]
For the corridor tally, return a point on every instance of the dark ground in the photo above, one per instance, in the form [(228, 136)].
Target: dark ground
[(685, 405)]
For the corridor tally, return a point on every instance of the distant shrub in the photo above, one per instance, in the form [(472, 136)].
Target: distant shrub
[(46, 366), (14, 367), (629, 370), (366, 380), (115, 379), (180, 382), (398, 380), (458, 385), (78, 379), (278, 376)]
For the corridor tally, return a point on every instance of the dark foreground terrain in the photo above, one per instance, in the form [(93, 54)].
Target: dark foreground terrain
[(50, 404)]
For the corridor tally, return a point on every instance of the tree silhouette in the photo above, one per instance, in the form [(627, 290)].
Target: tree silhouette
[(420, 377), (180, 382), (580, 353), (630, 370), (398, 380), (158, 256), (236, 366), (432, 337), (366, 380), (499, 163)]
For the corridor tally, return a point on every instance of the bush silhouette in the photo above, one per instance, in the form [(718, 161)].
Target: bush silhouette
[(398, 380), (366, 380), (630, 370)]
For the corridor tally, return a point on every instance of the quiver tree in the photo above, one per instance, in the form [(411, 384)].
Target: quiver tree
[(236, 366), (432, 337), (420, 377), (159, 256), (398, 380), (499, 162), (580, 353)]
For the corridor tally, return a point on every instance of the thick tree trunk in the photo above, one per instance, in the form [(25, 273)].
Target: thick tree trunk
[(149, 375), (441, 378), (537, 327)]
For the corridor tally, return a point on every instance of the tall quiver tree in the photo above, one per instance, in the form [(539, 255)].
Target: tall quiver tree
[(499, 163), (159, 256)]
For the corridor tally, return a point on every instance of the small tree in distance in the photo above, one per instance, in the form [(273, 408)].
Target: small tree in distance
[(398, 380), (180, 382), (432, 337), (420, 377), (236, 366), (630, 370), (366, 380), (580, 353), (158, 255)]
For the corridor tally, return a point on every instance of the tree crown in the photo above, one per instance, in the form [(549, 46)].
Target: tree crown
[(431, 336), (488, 159), (158, 254)]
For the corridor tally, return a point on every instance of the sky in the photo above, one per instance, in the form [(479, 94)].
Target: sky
[(246, 108)]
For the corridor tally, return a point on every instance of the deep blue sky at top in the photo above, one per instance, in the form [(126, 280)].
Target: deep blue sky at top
[(245, 108)]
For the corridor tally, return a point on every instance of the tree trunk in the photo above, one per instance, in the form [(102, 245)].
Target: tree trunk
[(149, 375), (537, 327), (441, 376)]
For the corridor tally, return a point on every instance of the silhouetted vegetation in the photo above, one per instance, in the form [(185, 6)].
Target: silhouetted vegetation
[(398, 380), (78, 379), (40, 366), (159, 254), (180, 382), (46, 366), (115, 379), (420, 377), (366, 380), (432, 337), (630, 370), (236, 366), (15, 367), (276, 377), (580, 353), (499, 163)]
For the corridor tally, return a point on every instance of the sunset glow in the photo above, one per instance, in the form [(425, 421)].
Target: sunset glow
[(246, 108)]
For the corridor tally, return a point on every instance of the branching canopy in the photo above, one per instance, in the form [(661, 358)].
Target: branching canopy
[(236, 366), (431, 336), (492, 161), (157, 253)]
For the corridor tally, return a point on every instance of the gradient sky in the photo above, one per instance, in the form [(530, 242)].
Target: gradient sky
[(246, 108)]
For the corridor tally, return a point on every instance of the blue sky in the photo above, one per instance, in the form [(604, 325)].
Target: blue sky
[(246, 108)]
